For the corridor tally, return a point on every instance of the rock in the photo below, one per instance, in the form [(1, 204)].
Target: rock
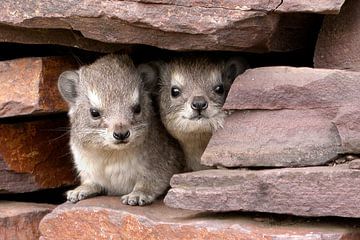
[(168, 24), (35, 155), (315, 191), (354, 164), (273, 139), (16, 182), (19, 220), (286, 116), (324, 6), (293, 88), (69, 38), (107, 218), (338, 44), (347, 123), (29, 85)]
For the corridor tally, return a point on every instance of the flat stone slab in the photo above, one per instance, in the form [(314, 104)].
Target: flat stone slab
[(256, 26), (107, 218), (312, 191), (20, 220), (338, 44), (35, 155), (324, 6), (288, 117), (29, 85), (271, 88), (274, 139), (62, 37)]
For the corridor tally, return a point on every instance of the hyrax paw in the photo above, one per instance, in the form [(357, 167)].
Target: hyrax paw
[(137, 198), (78, 194)]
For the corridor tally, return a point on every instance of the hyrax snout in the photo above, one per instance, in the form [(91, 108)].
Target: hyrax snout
[(193, 91), (118, 144)]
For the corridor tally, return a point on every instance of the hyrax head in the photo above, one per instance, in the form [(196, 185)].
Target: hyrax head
[(109, 102), (193, 91)]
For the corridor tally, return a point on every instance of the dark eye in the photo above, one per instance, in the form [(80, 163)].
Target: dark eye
[(137, 109), (219, 89), (94, 113), (175, 92)]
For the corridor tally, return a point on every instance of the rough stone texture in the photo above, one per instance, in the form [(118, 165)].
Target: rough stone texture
[(62, 37), (29, 85), (20, 221), (354, 164), (316, 191), (16, 182), (313, 118), (35, 155), (293, 88), (324, 6), (107, 218), (173, 25), (347, 123), (338, 44), (273, 138)]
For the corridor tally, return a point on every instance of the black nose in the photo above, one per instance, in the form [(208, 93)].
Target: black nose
[(121, 136), (199, 103)]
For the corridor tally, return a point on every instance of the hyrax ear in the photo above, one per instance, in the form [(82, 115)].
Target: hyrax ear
[(233, 67), (149, 74), (68, 84)]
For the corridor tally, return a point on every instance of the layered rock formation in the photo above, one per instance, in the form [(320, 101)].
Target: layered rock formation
[(315, 191), (19, 220), (107, 218), (285, 116), (258, 26), (29, 85)]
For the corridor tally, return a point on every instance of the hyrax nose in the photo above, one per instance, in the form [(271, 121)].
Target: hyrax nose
[(121, 136), (199, 103)]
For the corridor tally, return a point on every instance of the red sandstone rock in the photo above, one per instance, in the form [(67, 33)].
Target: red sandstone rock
[(29, 85), (62, 37), (20, 220), (107, 218), (313, 118), (312, 191), (35, 155), (338, 44), (219, 25), (324, 6), (273, 139), (293, 88)]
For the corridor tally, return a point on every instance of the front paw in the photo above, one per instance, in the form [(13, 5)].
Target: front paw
[(80, 193), (137, 198)]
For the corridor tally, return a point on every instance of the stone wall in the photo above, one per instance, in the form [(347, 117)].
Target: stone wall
[(287, 117), (290, 145)]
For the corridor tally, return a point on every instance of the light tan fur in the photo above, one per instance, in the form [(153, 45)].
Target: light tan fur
[(139, 167)]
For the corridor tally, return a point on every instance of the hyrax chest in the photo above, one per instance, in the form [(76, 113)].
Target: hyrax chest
[(117, 171)]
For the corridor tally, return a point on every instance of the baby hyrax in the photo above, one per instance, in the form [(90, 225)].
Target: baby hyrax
[(193, 91), (118, 144)]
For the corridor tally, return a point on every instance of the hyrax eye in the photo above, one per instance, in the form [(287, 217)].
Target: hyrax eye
[(137, 109), (175, 92), (94, 113), (219, 89)]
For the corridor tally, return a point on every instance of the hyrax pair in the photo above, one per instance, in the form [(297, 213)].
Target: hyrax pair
[(119, 145)]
